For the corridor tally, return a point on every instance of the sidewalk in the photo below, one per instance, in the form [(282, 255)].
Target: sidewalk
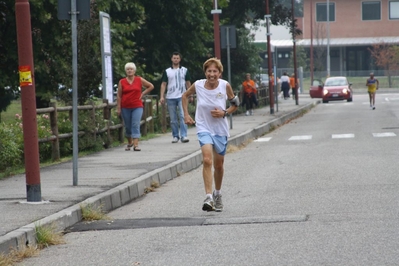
[(115, 177)]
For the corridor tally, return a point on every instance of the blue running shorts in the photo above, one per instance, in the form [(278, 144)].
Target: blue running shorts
[(219, 142)]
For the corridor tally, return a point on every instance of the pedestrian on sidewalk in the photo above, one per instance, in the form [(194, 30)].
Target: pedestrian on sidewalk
[(372, 85), (177, 79), (130, 104), (212, 127), (248, 93), (293, 85), (285, 85)]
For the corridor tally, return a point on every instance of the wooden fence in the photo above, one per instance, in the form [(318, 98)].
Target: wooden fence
[(146, 124)]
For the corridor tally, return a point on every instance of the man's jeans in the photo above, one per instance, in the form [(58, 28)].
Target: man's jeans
[(173, 105)]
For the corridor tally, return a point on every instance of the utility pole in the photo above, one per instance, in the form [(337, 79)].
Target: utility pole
[(216, 31), (269, 58), (28, 100), (328, 38), (311, 42), (294, 51)]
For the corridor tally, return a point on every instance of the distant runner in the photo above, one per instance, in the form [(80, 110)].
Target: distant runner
[(372, 84)]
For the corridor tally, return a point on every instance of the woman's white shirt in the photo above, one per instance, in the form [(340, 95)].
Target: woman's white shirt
[(208, 100)]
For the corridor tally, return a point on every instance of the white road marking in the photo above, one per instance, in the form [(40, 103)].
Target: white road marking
[(385, 134), (304, 137), (342, 136), (262, 139)]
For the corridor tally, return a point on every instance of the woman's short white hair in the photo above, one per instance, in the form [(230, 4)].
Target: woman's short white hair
[(130, 65)]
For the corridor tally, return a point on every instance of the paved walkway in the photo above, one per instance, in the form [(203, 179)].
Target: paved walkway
[(115, 177)]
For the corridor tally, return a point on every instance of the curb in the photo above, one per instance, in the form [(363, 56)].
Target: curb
[(133, 189)]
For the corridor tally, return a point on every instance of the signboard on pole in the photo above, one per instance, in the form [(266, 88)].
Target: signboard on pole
[(82, 8), (228, 31), (106, 56)]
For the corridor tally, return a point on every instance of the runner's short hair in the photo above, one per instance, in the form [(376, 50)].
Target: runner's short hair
[(211, 61)]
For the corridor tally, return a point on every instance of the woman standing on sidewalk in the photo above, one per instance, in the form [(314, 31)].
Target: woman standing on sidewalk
[(212, 127), (130, 104)]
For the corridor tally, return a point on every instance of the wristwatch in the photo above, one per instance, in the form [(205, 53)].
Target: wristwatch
[(225, 113)]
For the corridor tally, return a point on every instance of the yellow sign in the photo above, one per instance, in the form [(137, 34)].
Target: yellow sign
[(25, 76)]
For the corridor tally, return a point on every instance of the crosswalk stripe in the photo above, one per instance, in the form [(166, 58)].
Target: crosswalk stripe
[(385, 134), (333, 136), (304, 137), (342, 136), (262, 139)]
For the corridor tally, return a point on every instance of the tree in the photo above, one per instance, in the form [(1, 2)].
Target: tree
[(386, 56), (52, 48), (6, 97), (142, 31), (180, 25), (301, 57), (319, 50)]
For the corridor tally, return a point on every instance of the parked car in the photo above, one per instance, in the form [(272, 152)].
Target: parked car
[(334, 89)]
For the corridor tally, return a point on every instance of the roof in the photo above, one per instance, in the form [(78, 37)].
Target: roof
[(333, 42)]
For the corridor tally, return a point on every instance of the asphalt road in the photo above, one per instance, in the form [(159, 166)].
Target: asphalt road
[(321, 190)]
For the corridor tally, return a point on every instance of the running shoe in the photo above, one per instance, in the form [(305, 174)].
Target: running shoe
[(209, 205), (218, 202)]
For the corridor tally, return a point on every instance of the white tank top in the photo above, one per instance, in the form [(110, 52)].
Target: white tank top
[(208, 100)]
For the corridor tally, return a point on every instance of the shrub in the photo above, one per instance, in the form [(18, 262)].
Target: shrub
[(10, 149)]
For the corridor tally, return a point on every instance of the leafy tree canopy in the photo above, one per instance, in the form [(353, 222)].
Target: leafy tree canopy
[(144, 32)]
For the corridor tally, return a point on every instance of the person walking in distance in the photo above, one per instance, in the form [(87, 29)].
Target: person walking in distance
[(292, 85), (130, 104), (212, 127), (372, 85), (249, 94), (177, 79), (285, 85)]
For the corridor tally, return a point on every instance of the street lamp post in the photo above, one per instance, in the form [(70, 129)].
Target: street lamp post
[(294, 52), (328, 38), (216, 32), (311, 42), (269, 57)]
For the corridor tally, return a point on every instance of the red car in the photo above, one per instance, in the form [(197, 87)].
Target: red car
[(334, 89)]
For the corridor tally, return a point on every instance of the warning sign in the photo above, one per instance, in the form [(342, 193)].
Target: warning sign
[(25, 76)]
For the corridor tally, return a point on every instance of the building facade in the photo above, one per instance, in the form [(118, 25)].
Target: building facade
[(348, 30)]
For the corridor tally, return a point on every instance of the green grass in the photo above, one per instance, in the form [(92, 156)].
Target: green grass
[(13, 108), (92, 213), (48, 236)]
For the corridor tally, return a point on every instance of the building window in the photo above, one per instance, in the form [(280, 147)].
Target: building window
[(371, 10), (334, 53), (393, 9), (321, 12)]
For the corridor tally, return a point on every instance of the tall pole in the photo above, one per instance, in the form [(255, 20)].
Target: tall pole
[(216, 30), (75, 151), (269, 57), (311, 41), (294, 51), (28, 100), (328, 38)]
